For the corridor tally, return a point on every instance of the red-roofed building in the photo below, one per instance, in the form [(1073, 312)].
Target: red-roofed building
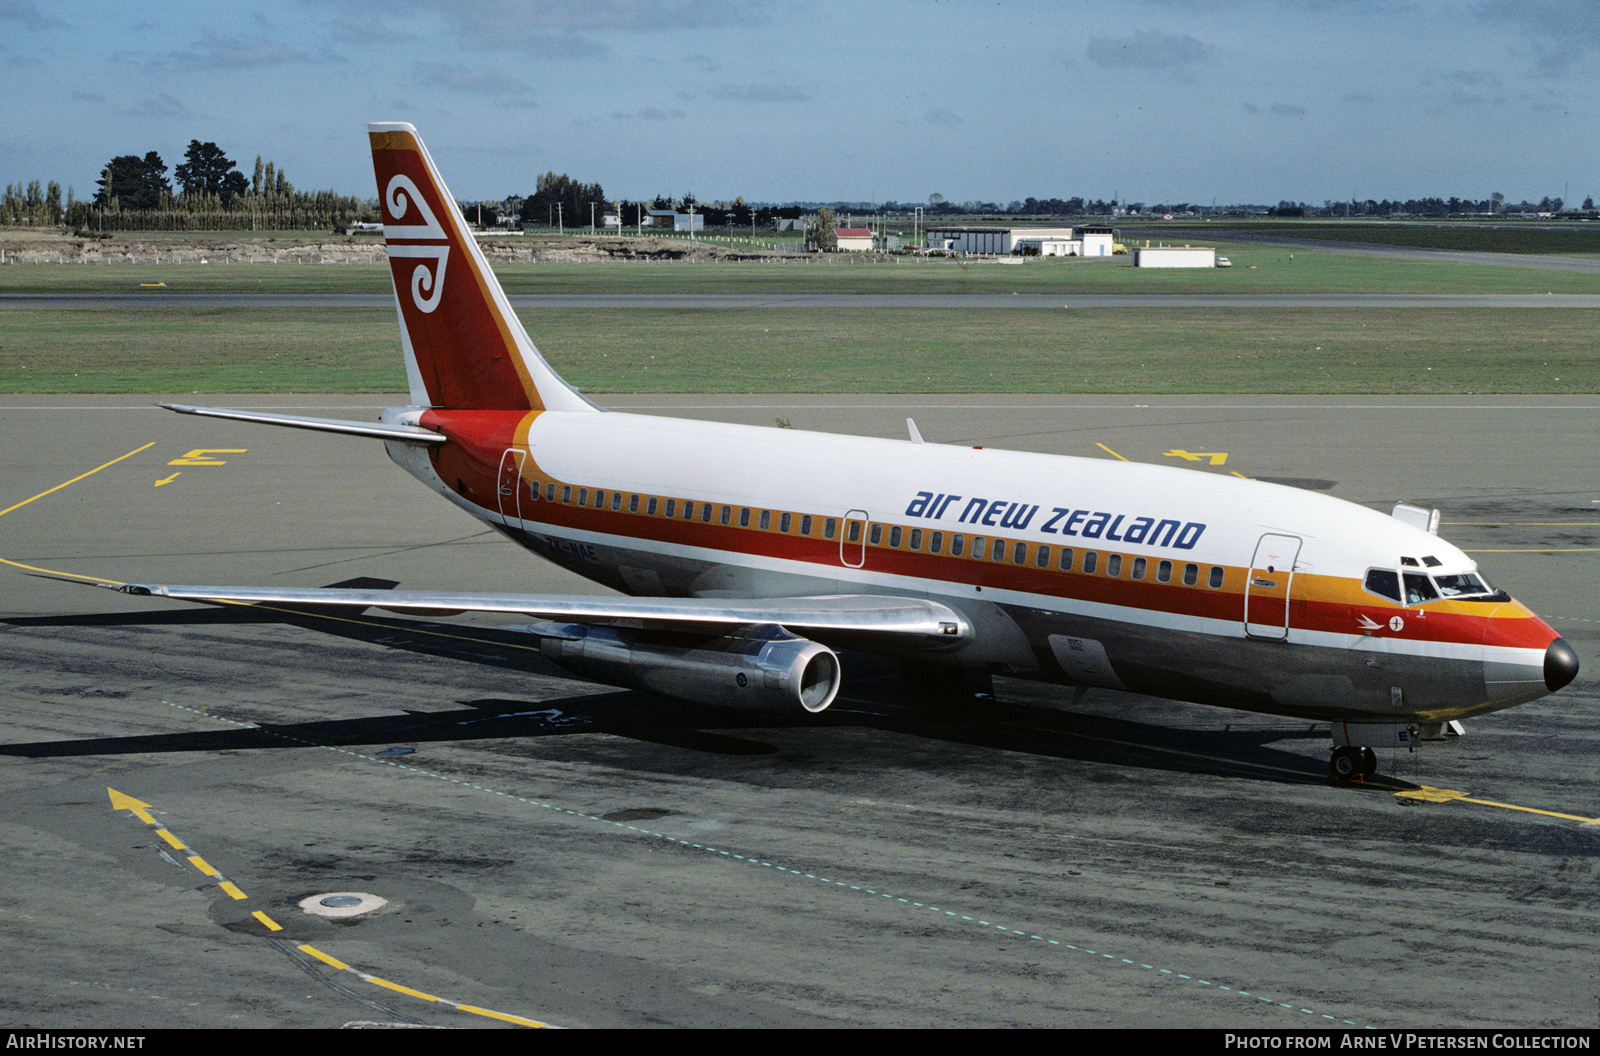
[(853, 239)]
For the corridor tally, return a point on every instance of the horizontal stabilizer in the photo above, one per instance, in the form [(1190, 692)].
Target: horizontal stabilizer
[(839, 613), (406, 434)]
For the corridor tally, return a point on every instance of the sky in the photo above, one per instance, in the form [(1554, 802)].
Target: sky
[(1152, 101)]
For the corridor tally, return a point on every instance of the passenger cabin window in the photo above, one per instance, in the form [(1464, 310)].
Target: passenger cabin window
[(550, 492), (1216, 578), (566, 494), (766, 519), (894, 537), (916, 539), (671, 508), (805, 524), (616, 500), (705, 513), (935, 542), (1164, 572), (1091, 561), (875, 534), (633, 504), (999, 550), (1019, 553), (1384, 582), (784, 520), (1138, 568), (957, 543), (1041, 557), (1114, 565), (829, 526), (583, 496), (727, 514), (533, 490), (650, 507), (744, 517), (1191, 575), (980, 547)]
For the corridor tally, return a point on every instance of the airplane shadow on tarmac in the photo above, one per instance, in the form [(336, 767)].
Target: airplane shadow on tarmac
[(874, 697)]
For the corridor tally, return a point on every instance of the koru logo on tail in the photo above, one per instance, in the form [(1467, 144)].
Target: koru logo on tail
[(411, 238)]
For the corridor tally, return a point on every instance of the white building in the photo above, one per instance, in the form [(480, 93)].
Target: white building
[(1174, 257), (1023, 241), (853, 239)]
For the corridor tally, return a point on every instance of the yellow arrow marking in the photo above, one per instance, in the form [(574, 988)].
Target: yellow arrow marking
[(197, 457), (141, 810), (170, 479), (1217, 457)]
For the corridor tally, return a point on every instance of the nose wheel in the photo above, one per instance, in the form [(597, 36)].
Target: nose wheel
[(1352, 765)]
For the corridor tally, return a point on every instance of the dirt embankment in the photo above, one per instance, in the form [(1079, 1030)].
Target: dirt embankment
[(42, 248)]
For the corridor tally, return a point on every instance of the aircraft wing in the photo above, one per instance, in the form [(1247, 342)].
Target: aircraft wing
[(824, 615)]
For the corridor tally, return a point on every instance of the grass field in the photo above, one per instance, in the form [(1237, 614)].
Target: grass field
[(796, 349), (1256, 269), (1485, 236), (1163, 350)]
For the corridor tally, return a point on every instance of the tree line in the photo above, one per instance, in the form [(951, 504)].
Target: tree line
[(210, 194)]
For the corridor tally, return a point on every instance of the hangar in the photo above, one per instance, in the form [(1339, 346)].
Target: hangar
[(1023, 241)]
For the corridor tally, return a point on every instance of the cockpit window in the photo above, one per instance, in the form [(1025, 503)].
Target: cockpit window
[(1461, 586), (1384, 582), (1419, 588)]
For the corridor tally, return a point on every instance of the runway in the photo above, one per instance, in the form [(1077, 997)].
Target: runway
[(553, 851), (745, 301)]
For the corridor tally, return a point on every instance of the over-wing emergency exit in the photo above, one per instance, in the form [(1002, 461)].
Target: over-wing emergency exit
[(748, 555)]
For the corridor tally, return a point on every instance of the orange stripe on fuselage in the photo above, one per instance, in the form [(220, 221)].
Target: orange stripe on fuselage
[(1318, 602)]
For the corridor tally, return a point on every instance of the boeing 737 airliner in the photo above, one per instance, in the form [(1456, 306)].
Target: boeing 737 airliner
[(748, 555)]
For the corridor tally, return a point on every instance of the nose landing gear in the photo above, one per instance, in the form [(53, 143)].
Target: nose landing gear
[(1352, 764)]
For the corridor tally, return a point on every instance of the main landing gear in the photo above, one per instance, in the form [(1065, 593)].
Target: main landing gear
[(1352, 764)]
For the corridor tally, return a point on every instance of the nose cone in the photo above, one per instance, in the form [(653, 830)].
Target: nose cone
[(1560, 664)]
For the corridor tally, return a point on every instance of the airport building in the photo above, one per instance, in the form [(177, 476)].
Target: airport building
[(852, 239), (1174, 257), (1023, 241)]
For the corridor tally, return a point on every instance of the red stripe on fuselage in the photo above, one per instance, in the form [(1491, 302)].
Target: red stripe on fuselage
[(480, 439)]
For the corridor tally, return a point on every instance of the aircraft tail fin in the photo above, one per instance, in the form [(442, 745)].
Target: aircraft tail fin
[(464, 347)]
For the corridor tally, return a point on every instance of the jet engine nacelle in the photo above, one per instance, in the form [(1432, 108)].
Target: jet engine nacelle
[(761, 668)]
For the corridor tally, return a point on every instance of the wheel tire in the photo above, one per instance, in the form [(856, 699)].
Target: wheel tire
[(1369, 762), (1345, 766)]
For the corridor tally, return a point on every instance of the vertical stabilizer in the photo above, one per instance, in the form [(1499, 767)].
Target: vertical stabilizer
[(464, 347)]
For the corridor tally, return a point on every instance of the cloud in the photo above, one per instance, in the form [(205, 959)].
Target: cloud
[(162, 106), (939, 116), (28, 15), (1148, 49), (457, 78), (761, 93), (649, 113), (212, 52), (1563, 32), (562, 28), (365, 31)]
